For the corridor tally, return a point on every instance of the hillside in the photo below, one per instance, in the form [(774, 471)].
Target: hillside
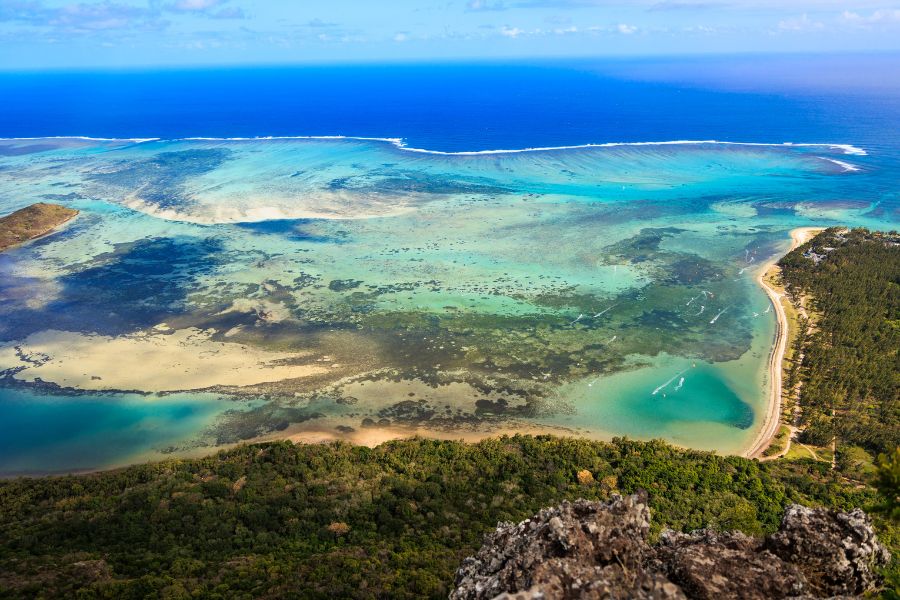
[(32, 222), (317, 521)]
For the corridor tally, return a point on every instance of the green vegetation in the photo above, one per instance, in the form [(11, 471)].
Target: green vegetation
[(888, 484), (323, 521), (779, 441), (850, 374)]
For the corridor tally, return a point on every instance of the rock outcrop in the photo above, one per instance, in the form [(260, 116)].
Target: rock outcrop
[(32, 222), (599, 550)]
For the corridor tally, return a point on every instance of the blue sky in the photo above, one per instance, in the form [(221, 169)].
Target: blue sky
[(123, 33)]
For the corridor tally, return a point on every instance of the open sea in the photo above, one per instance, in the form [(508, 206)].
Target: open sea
[(453, 250)]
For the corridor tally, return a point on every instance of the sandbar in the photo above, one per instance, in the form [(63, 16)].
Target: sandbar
[(156, 360)]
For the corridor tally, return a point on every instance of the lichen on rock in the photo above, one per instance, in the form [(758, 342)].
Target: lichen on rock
[(598, 550)]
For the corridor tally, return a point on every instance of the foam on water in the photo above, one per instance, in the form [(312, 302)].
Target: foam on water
[(402, 144)]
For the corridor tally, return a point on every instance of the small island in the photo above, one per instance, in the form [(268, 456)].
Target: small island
[(32, 222)]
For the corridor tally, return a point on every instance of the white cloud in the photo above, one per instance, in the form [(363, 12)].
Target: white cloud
[(196, 4), (626, 29), (801, 23), (701, 29), (401, 36), (512, 32), (476, 5), (879, 17)]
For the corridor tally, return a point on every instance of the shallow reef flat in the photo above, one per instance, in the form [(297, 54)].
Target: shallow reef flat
[(327, 288)]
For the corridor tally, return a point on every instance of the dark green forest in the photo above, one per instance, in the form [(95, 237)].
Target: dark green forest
[(336, 520), (850, 374)]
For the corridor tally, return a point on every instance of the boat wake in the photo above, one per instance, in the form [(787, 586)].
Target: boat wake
[(674, 377), (719, 314)]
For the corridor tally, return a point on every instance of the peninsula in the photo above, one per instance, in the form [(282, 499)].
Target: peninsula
[(32, 222), (766, 279)]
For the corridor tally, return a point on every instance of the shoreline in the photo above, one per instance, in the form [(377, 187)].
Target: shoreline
[(772, 422), (28, 213)]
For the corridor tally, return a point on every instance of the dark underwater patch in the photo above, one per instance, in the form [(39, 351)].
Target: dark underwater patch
[(645, 242), (239, 425), (775, 209), (416, 182), (301, 230), (342, 285), (408, 412), (161, 179), (138, 285), (637, 210), (26, 149), (690, 269), (71, 196)]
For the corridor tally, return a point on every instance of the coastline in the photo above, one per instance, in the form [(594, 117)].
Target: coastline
[(772, 421), (32, 223)]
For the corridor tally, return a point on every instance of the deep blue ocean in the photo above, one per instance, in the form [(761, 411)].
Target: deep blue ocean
[(476, 106)]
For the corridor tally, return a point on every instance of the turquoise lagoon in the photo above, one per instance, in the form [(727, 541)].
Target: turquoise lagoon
[(377, 290)]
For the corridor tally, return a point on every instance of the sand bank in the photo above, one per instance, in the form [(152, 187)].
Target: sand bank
[(155, 360), (772, 419), (326, 430)]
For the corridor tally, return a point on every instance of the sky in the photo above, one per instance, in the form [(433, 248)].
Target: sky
[(50, 34)]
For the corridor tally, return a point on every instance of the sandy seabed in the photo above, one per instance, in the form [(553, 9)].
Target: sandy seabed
[(152, 361)]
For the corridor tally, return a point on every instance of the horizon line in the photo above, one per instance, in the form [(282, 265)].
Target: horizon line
[(460, 60)]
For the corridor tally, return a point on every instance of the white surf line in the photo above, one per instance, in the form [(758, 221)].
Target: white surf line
[(674, 377), (845, 148), (604, 311), (83, 138), (401, 143), (716, 318), (848, 167)]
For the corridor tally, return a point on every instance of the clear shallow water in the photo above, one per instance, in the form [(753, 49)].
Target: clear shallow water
[(368, 288), (46, 433)]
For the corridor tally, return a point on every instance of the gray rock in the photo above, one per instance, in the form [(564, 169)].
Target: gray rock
[(835, 550), (599, 550), (709, 565)]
